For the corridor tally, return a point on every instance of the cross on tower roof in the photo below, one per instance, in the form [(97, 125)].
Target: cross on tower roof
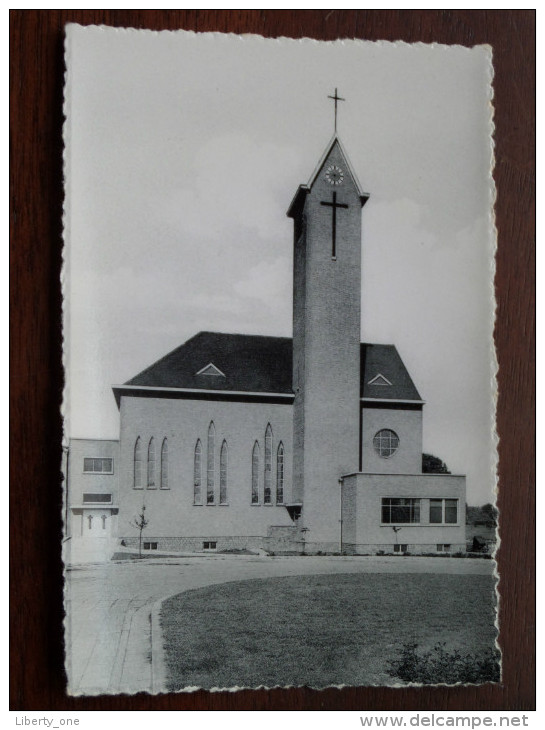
[(336, 98)]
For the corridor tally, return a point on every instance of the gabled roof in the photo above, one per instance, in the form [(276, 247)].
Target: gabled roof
[(336, 140), (258, 364), (250, 363), (302, 190), (385, 360)]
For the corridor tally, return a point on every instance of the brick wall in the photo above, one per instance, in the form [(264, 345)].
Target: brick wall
[(327, 297)]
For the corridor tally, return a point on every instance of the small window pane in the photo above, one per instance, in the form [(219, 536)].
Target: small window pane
[(164, 465), (223, 473), (267, 495), (255, 474), (138, 464), (91, 497), (451, 511), (280, 474), (151, 464), (210, 465), (197, 495), (436, 511)]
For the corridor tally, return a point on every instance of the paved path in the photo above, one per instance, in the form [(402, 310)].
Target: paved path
[(109, 606)]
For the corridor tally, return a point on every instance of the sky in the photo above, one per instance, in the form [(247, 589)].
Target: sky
[(182, 154)]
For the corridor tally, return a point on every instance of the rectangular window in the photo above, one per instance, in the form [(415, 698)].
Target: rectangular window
[(443, 548), (98, 466), (436, 511), (209, 545), (150, 546), (400, 510), (400, 548), (101, 498), (443, 511), (451, 511)]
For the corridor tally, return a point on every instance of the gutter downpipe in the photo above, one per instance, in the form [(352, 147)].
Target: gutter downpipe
[(341, 481)]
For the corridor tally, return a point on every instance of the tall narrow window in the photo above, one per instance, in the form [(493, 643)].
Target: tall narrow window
[(137, 484), (255, 474), (267, 492), (210, 464), (151, 463), (280, 474), (103, 522), (197, 493), (223, 473), (164, 464), (90, 521)]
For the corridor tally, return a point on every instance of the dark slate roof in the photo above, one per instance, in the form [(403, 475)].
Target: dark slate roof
[(384, 360), (253, 363), (250, 363)]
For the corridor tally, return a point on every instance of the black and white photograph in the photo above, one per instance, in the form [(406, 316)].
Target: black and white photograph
[(280, 449)]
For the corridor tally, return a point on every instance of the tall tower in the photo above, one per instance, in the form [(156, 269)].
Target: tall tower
[(326, 341)]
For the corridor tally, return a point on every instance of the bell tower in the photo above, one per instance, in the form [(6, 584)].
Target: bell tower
[(326, 341)]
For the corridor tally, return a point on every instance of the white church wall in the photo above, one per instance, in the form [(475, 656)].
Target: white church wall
[(171, 512), (364, 531), (407, 424)]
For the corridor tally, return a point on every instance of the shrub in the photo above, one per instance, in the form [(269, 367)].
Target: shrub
[(440, 666)]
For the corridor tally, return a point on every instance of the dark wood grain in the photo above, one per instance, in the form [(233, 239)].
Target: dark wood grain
[(36, 380)]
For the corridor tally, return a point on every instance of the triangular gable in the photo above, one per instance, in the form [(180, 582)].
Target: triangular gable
[(379, 380), (303, 190), (324, 157), (210, 369)]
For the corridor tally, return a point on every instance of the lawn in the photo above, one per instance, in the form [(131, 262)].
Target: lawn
[(320, 630)]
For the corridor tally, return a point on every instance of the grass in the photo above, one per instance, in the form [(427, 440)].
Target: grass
[(320, 630)]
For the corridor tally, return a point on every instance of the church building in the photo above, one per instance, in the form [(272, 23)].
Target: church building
[(247, 442)]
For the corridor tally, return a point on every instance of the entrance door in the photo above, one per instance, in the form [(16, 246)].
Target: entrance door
[(93, 543)]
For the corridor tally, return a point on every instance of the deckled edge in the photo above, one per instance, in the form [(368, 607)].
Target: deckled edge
[(216, 35), (65, 310), (494, 365)]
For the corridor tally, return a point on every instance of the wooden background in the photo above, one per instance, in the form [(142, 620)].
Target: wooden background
[(36, 380)]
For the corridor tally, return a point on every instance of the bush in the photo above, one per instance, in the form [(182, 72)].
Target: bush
[(439, 666)]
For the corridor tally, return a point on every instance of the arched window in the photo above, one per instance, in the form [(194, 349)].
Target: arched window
[(210, 464), (280, 474), (137, 484), (151, 463), (164, 464), (267, 492), (223, 473), (197, 494), (255, 474)]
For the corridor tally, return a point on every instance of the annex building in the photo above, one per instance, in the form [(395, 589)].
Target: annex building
[(308, 444)]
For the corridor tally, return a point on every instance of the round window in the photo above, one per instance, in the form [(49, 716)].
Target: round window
[(386, 443)]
